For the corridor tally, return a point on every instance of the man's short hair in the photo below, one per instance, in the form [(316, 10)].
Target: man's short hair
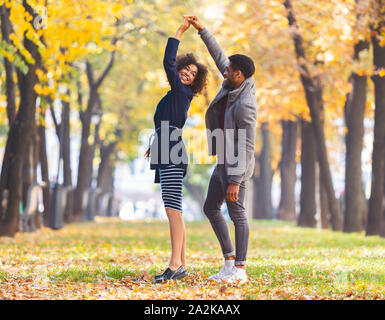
[(243, 63)]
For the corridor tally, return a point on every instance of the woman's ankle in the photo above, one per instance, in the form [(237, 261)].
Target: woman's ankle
[(174, 266)]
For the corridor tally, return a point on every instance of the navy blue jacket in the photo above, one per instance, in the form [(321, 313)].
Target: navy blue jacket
[(173, 108)]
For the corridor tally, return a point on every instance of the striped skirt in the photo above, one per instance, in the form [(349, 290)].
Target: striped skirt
[(171, 186)]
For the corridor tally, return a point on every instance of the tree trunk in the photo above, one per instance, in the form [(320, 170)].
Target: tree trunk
[(36, 154), (375, 214), (63, 135), (108, 183), (288, 163), (354, 118), (196, 192), (92, 156), (263, 208), (67, 175), (106, 153), (66, 144), (29, 166), (6, 30), (306, 216), (257, 204), (29, 176), (16, 142), (84, 178), (44, 173), (313, 93), (97, 142), (323, 204), (364, 212)]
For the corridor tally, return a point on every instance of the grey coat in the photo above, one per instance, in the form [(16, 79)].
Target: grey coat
[(240, 115)]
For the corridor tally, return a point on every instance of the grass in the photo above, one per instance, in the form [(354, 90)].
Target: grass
[(113, 259)]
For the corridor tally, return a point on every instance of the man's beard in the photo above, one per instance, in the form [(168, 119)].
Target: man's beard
[(229, 84)]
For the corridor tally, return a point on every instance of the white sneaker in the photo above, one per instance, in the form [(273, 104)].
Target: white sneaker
[(225, 271), (237, 276)]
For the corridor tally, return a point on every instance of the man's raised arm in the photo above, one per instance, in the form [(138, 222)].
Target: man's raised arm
[(211, 43)]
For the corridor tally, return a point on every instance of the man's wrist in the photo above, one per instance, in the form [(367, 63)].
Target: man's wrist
[(234, 181), (200, 28)]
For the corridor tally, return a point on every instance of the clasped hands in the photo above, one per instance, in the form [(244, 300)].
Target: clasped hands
[(187, 21)]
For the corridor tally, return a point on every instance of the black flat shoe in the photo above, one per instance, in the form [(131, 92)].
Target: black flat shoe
[(171, 275), (157, 276)]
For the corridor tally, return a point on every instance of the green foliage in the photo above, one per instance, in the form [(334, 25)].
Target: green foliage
[(8, 51)]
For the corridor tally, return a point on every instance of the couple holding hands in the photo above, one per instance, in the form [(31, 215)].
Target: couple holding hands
[(233, 110)]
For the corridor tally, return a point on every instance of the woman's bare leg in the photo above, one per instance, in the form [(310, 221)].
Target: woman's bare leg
[(183, 253), (177, 235)]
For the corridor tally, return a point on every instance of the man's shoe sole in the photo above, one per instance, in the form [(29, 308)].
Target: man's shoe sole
[(217, 279), (236, 282)]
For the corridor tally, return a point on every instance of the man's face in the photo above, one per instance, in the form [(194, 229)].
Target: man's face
[(229, 76), (188, 74)]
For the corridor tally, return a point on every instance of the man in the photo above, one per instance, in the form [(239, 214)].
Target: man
[(233, 110)]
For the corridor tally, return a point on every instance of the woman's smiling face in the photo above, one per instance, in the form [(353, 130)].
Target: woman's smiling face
[(188, 74)]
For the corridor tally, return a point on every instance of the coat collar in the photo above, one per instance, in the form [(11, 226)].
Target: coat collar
[(233, 94)]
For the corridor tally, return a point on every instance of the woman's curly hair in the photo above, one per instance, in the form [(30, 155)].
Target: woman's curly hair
[(200, 80)]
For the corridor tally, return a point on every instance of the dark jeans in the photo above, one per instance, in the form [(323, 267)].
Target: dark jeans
[(216, 194)]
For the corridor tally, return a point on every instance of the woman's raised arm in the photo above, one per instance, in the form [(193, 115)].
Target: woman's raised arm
[(170, 55)]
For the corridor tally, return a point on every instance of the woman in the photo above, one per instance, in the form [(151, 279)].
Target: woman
[(187, 78)]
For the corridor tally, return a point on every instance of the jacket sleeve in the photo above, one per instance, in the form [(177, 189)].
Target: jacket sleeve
[(246, 118), (169, 63), (215, 50)]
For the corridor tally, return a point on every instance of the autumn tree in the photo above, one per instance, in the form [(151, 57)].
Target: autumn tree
[(313, 92), (355, 202), (376, 224), (23, 125)]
